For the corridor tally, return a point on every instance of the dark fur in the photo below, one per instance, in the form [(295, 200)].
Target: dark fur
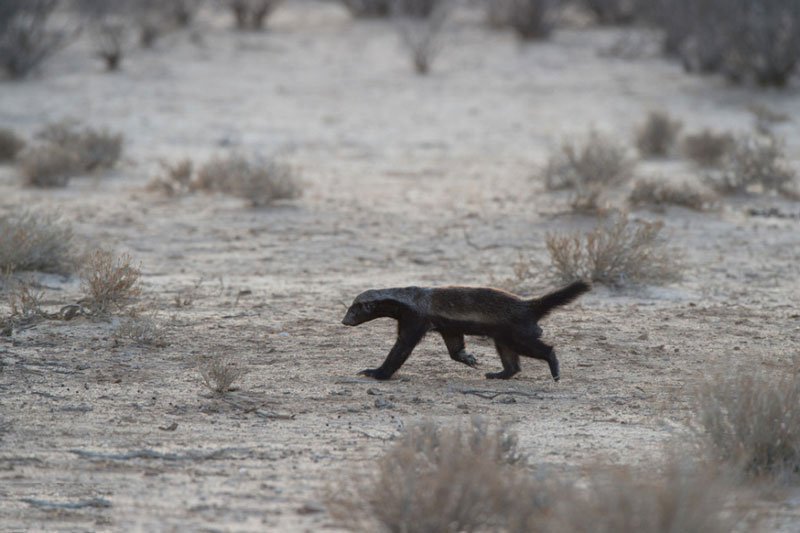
[(457, 311)]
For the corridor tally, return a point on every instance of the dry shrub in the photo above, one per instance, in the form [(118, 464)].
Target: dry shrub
[(252, 14), (25, 302), (656, 137), (111, 43), (48, 165), (182, 12), (35, 241), (532, 19), (589, 169), (618, 253), (220, 373), (421, 35), (142, 330), (613, 11), (27, 37), (657, 193), (599, 162), (260, 182), (751, 421), (175, 179), (94, 149), (435, 479), (707, 148), (746, 40), (10, 145), (755, 161), (110, 282), (680, 498), (368, 8)]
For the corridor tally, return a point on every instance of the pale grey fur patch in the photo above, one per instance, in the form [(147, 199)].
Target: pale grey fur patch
[(417, 298)]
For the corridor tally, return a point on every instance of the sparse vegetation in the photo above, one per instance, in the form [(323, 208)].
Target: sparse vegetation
[(618, 253), (142, 330), (657, 136), (93, 149), (111, 42), (750, 421), (110, 282), (260, 182), (658, 193), (755, 161), (175, 179), (368, 8), (532, 19), (47, 165), (589, 169), (35, 241), (612, 11), (680, 497), (598, 163), (220, 372), (707, 148), (748, 40), (422, 35), (25, 302), (439, 479), (26, 35), (10, 145), (435, 479), (252, 14)]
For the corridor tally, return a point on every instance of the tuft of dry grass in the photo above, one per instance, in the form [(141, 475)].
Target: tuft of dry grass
[(658, 194), (35, 241), (681, 497), (142, 330), (532, 19), (252, 14), (434, 479), (110, 282), (175, 179), (259, 182), (598, 162), (751, 421), (657, 135), (220, 373), (755, 161), (10, 145), (707, 148), (422, 36), (111, 43), (93, 149), (25, 302), (47, 166), (618, 253)]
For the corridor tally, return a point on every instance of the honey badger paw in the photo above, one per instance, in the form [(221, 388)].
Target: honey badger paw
[(466, 358), (375, 373)]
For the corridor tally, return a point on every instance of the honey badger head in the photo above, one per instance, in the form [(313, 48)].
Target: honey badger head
[(378, 303)]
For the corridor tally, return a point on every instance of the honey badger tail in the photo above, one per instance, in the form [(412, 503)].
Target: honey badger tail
[(542, 306)]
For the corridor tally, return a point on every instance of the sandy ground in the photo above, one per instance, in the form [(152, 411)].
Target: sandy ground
[(409, 180)]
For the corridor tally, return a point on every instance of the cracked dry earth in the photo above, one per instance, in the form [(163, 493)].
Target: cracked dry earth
[(409, 180)]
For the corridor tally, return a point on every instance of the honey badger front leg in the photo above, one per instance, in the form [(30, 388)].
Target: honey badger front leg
[(455, 346), (409, 333)]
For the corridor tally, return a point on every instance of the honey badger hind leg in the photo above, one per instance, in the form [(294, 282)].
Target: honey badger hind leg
[(510, 361), (455, 347)]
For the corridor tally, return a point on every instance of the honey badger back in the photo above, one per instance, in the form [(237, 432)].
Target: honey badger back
[(458, 311)]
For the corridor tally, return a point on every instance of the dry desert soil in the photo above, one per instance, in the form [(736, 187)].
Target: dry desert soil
[(408, 180)]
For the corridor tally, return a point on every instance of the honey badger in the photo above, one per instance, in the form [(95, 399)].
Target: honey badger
[(457, 311)]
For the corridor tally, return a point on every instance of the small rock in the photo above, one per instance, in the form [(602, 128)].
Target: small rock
[(507, 399), (373, 392), (383, 403)]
